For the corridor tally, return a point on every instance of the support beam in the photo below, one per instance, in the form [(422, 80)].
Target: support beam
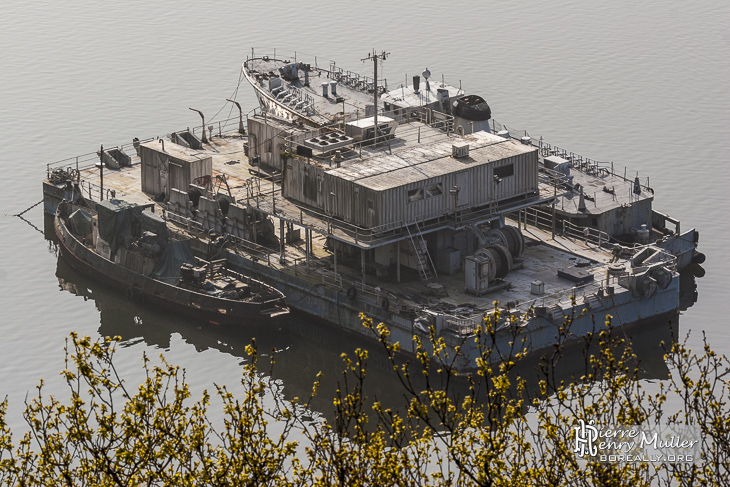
[(306, 246), (553, 219), (334, 248), (525, 220), (281, 235)]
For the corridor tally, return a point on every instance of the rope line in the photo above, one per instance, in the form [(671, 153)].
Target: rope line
[(26, 210)]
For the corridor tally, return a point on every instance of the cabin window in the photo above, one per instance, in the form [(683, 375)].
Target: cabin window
[(504, 171), (434, 190), (415, 194)]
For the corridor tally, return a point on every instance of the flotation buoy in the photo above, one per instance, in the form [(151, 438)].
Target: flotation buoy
[(352, 293)]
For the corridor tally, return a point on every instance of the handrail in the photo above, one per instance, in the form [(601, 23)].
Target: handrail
[(332, 278), (580, 163), (567, 228), (88, 160), (323, 64)]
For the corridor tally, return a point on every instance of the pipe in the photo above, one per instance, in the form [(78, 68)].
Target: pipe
[(204, 139), (241, 129)]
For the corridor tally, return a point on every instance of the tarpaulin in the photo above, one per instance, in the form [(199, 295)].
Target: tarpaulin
[(81, 223), (115, 220), (176, 253)]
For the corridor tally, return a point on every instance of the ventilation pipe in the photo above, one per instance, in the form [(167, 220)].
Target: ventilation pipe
[(416, 83), (333, 88), (426, 74), (204, 139), (241, 129), (325, 87)]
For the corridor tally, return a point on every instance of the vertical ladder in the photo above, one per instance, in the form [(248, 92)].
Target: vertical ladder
[(425, 264)]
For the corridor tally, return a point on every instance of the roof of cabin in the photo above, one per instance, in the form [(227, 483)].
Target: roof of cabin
[(418, 163)]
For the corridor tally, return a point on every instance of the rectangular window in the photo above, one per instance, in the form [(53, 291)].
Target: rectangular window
[(504, 171), (415, 194), (434, 190)]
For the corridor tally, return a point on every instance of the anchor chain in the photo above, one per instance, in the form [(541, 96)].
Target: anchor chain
[(28, 209)]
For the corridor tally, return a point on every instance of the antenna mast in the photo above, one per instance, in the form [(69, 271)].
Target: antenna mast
[(375, 56)]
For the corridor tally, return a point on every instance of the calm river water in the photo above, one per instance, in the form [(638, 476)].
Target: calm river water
[(644, 84)]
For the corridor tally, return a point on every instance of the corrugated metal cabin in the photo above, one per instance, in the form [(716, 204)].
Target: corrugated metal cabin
[(169, 166), (414, 184), (267, 138)]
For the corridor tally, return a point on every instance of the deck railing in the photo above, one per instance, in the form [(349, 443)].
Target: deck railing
[(578, 162), (341, 75), (544, 220), (90, 159)]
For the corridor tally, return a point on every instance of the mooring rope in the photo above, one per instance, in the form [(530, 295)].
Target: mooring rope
[(26, 210)]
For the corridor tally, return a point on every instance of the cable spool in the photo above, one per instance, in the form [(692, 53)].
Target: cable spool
[(492, 271), (497, 236), (518, 241), (500, 258), (662, 276), (505, 261), (646, 286), (514, 239), (509, 237)]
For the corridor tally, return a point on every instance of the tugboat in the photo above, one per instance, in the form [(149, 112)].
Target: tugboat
[(130, 248)]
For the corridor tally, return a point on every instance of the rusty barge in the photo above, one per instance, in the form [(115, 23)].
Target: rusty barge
[(408, 205)]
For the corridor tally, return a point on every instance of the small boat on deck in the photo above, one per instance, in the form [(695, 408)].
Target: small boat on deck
[(129, 247)]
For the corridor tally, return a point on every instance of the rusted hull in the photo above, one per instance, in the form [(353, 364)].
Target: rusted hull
[(144, 290)]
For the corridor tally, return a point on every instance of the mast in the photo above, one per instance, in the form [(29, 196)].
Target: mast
[(374, 56)]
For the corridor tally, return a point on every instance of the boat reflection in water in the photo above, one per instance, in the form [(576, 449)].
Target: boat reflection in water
[(305, 347)]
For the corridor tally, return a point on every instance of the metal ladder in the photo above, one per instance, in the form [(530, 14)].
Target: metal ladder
[(425, 264)]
